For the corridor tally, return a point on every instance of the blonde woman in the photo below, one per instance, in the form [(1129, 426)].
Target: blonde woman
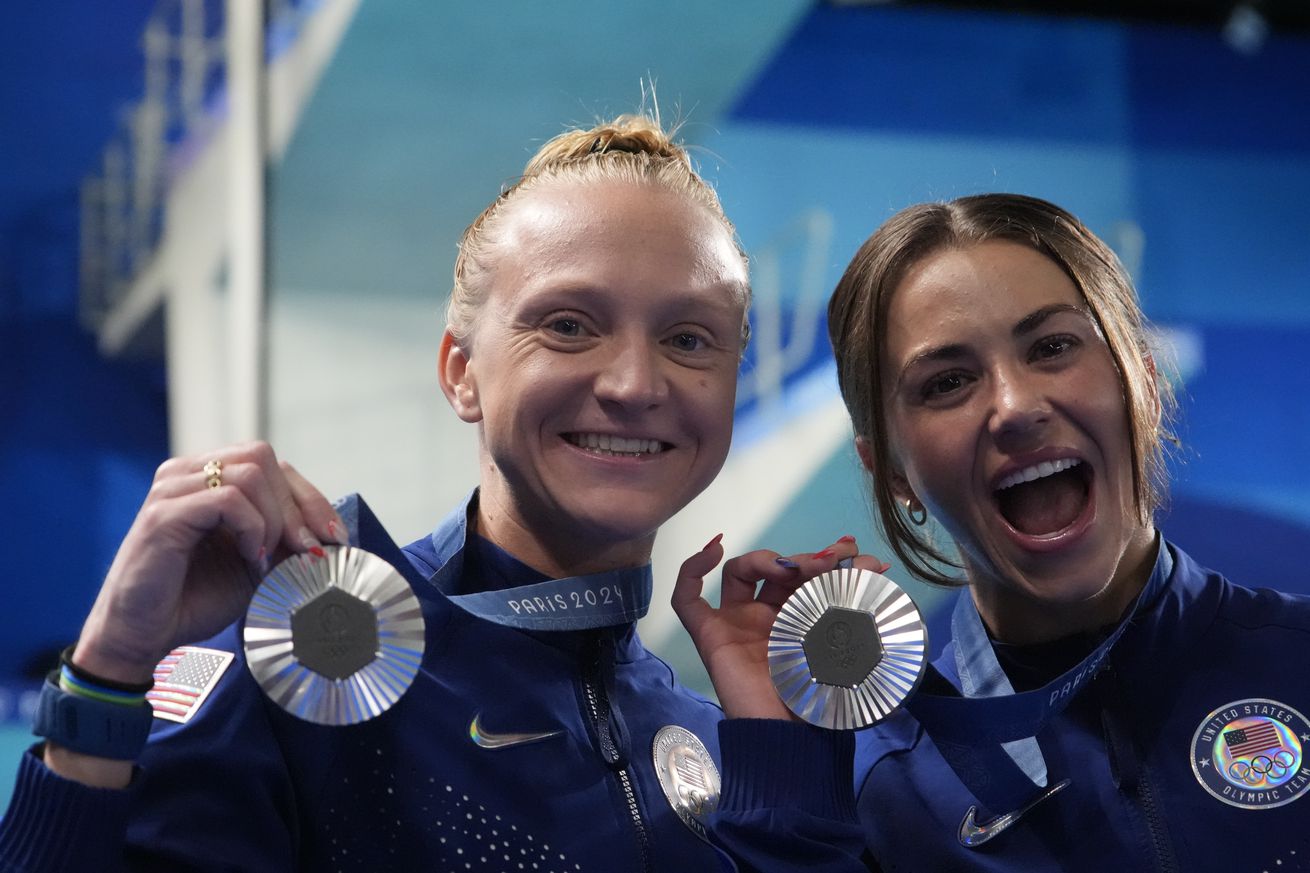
[(595, 330)]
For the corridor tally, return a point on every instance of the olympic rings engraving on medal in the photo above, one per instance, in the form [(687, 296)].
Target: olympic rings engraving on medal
[(1252, 754)]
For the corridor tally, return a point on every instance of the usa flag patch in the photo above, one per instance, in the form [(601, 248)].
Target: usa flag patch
[(184, 679)]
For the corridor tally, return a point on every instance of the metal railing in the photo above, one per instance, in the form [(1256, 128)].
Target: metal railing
[(158, 136)]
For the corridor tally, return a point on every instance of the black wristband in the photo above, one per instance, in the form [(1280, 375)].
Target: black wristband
[(92, 727), (66, 659)]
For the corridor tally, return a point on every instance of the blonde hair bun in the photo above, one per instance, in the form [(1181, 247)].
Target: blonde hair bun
[(626, 134)]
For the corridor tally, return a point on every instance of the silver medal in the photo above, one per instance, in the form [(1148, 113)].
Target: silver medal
[(334, 640), (847, 648), (687, 774)]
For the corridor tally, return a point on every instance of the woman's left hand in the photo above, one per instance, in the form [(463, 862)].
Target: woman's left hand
[(733, 640)]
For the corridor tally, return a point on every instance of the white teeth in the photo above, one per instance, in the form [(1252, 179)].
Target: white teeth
[(1037, 471), (604, 444)]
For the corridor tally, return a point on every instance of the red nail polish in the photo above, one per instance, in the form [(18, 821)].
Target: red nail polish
[(317, 552), (712, 542), (826, 553), (846, 539)]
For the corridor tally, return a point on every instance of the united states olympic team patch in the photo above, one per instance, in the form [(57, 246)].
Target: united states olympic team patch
[(1252, 754)]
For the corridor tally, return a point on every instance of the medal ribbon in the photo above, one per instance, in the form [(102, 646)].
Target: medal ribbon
[(988, 736), (576, 603), (981, 675)]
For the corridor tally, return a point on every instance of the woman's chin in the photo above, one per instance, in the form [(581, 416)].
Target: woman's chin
[(610, 527)]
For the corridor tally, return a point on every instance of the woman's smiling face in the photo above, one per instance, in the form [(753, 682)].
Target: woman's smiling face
[(1007, 420), (602, 368)]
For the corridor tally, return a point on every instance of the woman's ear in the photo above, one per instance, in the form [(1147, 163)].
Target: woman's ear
[(900, 486), (865, 451), (458, 383)]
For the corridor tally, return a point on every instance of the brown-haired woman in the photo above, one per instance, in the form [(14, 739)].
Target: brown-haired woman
[(596, 327), (1104, 703)]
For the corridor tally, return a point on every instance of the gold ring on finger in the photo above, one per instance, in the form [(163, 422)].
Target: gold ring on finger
[(213, 473)]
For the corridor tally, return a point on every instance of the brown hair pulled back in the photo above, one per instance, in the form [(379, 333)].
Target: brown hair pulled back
[(857, 328)]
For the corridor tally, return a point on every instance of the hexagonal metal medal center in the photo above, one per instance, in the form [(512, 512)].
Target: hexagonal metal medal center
[(335, 634), (842, 647)]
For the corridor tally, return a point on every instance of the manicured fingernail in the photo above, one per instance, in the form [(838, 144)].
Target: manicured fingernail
[(826, 553), (311, 543), (713, 542), (884, 568), (785, 562), (337, 530), (846, 539)]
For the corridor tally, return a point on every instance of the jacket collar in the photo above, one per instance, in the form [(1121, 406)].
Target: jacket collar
[(440, 559)]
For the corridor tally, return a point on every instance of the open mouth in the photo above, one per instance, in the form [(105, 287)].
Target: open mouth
[(616, 446), (1045, 498)]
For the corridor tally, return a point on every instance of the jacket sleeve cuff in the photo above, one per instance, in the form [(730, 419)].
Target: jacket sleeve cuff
[(53, 820), (770, 763)]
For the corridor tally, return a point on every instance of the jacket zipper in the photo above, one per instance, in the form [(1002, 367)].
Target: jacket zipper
[(1129, 771), (599, 707), (1164, 854)]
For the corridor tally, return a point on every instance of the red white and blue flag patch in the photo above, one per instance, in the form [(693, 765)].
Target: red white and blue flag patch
[(184, 679), (1244, 742)]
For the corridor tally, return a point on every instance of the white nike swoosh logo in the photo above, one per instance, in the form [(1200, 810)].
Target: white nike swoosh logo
[(488, 740), (972, 835)]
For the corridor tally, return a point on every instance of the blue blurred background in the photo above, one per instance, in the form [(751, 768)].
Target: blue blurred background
[(1180, 134)]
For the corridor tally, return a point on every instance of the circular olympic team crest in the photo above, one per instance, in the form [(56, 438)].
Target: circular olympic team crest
[(1251, 754)]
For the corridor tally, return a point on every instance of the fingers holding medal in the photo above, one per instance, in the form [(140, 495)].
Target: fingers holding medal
[(207, 531), (294, 516), (733, 639)]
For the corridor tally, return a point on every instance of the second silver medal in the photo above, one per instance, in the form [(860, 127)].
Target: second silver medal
[(847, 648)]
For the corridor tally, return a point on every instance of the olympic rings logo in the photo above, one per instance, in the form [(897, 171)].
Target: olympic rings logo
[(1260, 767)]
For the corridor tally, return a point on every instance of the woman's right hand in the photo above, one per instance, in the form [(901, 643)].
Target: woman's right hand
[(187, 569), (733, 640), (194, 554)]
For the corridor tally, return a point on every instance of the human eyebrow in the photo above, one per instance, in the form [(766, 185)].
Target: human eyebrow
[(565, 295), (937, 354), (719, 302), (1034, 320)]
